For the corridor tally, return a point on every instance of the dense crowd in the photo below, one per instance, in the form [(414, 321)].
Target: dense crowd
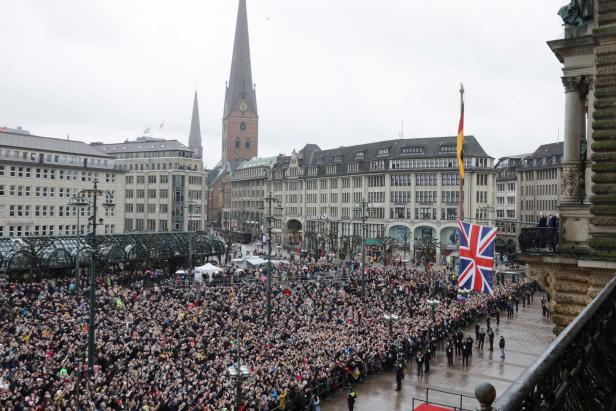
[(168, 348)]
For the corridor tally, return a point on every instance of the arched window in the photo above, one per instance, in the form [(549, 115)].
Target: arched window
[(237, 142), (243, 126), (247, 144)]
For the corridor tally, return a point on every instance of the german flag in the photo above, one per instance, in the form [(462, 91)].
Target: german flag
[(460, 142)]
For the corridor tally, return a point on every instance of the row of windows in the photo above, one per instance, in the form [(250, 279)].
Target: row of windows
[(64, 159), (48, 230), (53, 174), (140, 208)]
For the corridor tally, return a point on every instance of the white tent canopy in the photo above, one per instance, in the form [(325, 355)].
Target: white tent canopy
[(208, 269)]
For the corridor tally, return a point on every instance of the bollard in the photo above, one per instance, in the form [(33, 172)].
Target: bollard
[(485, 394)]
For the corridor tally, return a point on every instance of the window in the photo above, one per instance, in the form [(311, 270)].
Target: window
[(128, 207), (383, 151), (401, 180), (151, 193), (337, 157), (360, 154), (376, 196), (151, 225), (152, 179), (163, 208), (247, 143), (140, 193), (482, 179), (377, 165), (412, 150), (376, 181), (448, 148), (243, 126), (237, 143), (352, 167), (1, 189), (164, 179), (140, 207), (329, 170), (425, 179), (164, 193), (357, 182), (140, 179)]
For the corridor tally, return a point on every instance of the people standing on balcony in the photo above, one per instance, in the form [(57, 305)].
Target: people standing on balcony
[(543, 220)]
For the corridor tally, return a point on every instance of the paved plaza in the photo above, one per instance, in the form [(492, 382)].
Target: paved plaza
[(527, 335)]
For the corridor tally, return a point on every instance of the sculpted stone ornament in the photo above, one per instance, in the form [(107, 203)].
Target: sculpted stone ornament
[(571, 181), (576, 13)]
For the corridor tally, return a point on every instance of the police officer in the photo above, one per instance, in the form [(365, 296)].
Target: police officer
[(427, 358), (449, 352), (501, 345), (488, 320), (420, 363), (482, 338), (399, 374), (465, 353), (470, 345), (351, 398), (477, 330), (497, 316), (491, 338)]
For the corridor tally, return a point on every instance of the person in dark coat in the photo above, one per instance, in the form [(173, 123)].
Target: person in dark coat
[(399, 375), (491, 338), (501, 345), (420, 363), (449, 352), (351, 399), (481, 339)]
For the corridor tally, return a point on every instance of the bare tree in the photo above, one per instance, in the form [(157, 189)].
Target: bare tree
[(425, 249), (32, 248)]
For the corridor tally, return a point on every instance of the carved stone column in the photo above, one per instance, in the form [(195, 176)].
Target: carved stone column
[(574, 128), (590, 103)]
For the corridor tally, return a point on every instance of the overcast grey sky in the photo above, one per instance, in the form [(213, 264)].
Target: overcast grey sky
[(330, 72)]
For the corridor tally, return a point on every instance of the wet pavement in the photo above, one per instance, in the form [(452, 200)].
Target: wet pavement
[(527, 335)]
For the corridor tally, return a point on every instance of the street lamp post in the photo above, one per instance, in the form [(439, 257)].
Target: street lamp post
[(78, 201), (189, 207), (363, 208), (269, 217), (92, 196), (238, 371)]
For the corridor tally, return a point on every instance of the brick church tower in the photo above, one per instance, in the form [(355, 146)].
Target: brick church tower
[(240, 122)]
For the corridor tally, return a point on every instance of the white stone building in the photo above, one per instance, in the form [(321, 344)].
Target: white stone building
[(38, 177), (412, 186), (539, 179), (165, 186)]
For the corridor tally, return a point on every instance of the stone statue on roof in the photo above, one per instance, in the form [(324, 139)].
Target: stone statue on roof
[(577, 13)]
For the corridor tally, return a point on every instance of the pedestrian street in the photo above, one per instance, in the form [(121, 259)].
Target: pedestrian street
[(527, 335)]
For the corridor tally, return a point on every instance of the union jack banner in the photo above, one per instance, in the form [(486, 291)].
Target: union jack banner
[(476, 256)]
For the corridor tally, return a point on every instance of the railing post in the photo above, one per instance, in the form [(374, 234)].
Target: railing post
[(485, 394)]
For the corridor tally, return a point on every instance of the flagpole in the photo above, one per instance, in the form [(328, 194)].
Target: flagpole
[(461, 176)]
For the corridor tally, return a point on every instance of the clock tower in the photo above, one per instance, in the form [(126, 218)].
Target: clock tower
[(240, 122)]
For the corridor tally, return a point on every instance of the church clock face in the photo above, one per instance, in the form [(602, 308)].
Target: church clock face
[(243, 106)]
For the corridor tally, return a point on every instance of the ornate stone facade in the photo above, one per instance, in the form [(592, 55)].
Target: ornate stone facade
[(571, 185)]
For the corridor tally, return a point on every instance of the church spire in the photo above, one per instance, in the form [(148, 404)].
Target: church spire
[(240, 80), (194, 138)]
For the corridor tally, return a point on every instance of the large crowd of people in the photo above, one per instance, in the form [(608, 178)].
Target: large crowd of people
[(161, 347)]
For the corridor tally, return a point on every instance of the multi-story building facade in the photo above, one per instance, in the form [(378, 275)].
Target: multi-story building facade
[(248, 185), (40, 175), (412, 187), (506, 203), (165, 187), (539, 178)]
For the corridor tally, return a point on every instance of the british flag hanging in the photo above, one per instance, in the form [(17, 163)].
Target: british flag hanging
[(476, 256)]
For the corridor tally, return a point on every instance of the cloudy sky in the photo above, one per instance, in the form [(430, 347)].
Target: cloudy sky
[(330, 72)]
